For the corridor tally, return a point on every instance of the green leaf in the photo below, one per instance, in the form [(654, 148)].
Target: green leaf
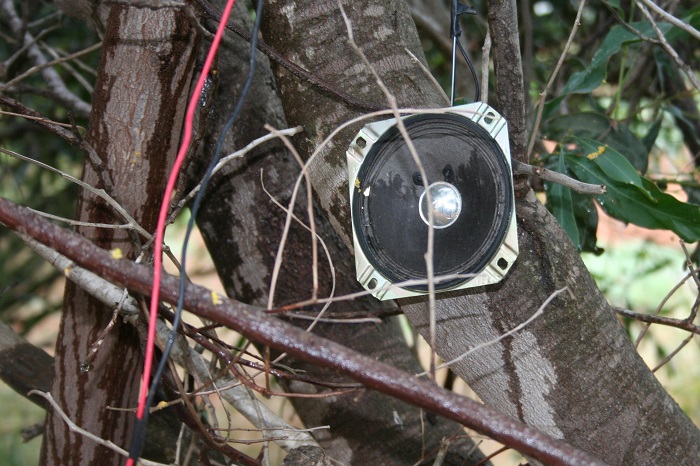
[(592, 77), (612, 163), (561, 205), (586, 216), (597, 126), (616, 4), (647, 206), (650, 138)]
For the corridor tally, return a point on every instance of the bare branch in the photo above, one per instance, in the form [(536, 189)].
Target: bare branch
[(39, 67), (664, 43), (485, 54), (682, 324), (111, 295), (670, 356), (580, 187), (51, 77), (692, 272), (77, 223), (78, 430), (550, 83), (429, 75), (312, 224), (318, 317), (671, 19), (226, 159), (73, 138), (101, 193), (40, 119), (253, 324), (152, 4)]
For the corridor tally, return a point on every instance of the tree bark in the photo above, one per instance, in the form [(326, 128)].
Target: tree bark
[(573, 372), (144, 76), (23, 366), (265, 329), (242, 227)]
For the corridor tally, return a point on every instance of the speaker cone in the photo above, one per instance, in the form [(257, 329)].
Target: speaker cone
[(470, 197), (467, 178)]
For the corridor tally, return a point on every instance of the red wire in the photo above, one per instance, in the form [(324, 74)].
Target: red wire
[(160, 227)]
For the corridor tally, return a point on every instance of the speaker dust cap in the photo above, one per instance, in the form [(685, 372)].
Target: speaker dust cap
[(466, 167)]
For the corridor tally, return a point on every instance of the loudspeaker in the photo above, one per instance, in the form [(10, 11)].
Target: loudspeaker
[(465, 158)]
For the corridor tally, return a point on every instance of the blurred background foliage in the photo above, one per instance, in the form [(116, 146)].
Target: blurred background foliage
[(25, 279), (621, 112)]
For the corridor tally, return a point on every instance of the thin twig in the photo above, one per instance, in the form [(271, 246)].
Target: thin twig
[(40, 119), (550, 83), (69, 67), (391, 99), (515, 329), (689, 264), (360, 294), (671, 19), (429, 75), (151, 4), (97, 344), (125, 226), (288, 221), (7, 63), (670, 356), (692, 273), (101, 193), (485, 53), (682, 324), (664, 43), (74, 428), (350, 320), (224, 160), (627, 26), (520, 168), (72, 137), (319, 315), (487, 458)]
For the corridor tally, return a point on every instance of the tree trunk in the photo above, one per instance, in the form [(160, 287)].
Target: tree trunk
[(573, 372), (242, 228), (138, 104)]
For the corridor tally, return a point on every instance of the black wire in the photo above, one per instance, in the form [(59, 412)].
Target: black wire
[(140, 426), (477, 93)]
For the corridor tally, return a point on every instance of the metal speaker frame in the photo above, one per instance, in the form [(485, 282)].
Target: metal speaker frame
[(490, 263)]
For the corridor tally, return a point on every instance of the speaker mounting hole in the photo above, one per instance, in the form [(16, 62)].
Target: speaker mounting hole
[(502, 263), (372, 284), (488, 119), (361, 143)]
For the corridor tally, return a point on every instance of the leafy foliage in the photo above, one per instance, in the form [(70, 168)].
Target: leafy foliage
[(607, 119)]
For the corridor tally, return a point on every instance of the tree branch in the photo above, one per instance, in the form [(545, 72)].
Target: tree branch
[(251, 323), (682, 324), (75, 428), (237, 395), (23, 366), (580, 187), (51, 77), (72, 138)]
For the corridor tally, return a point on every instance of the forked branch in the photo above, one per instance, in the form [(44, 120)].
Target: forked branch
[(253, 324)]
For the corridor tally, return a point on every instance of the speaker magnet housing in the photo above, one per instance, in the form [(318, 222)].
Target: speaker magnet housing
[(465, 156)]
